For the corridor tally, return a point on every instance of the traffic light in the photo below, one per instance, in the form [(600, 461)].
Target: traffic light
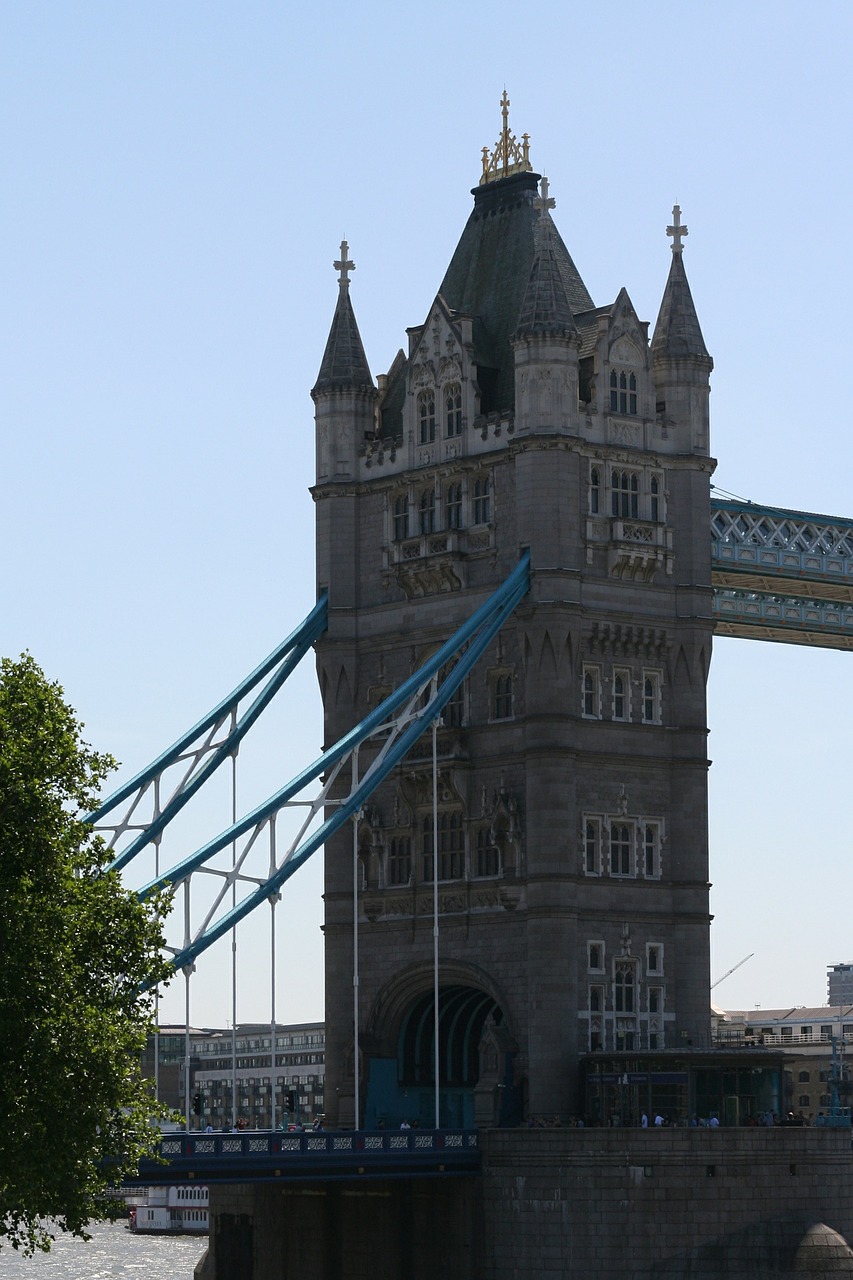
[(290, 1099), (196, 1104)]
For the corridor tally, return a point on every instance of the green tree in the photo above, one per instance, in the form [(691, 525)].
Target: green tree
[(76, 949)]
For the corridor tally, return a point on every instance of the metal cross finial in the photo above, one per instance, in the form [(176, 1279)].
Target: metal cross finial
[(543, 202), (676, 230), (344, 265), (505, 111)]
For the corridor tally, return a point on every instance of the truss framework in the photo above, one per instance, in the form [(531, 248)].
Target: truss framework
[(386, 735)]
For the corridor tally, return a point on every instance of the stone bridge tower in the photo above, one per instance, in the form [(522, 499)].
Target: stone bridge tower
[(572, 766)]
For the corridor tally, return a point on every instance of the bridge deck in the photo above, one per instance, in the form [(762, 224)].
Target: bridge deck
[(260, 1156)]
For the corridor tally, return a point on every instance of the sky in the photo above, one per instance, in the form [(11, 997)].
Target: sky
[(177, 179)]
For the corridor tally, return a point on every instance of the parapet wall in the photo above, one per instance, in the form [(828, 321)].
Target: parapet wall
[(554, 1204)]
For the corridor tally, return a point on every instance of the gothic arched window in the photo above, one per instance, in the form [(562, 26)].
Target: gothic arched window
[(401, 518), (427, 511), (426, 417), (623, 392), (594, 491), (620, 849), (399, 861), (482, 501), (623, 987), (488, 855), (625, 494), (502, 698), (453, 409), (453, 507)]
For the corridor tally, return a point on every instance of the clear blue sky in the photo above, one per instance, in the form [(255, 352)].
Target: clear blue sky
[(176, 181)]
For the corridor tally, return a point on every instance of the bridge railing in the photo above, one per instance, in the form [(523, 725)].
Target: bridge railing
[(314, 1142)]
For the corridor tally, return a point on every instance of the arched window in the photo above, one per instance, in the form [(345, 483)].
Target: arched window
[(482, 501), (590, 847), (623, 987), (401, 518), (594, 491), (651, 850), (621, 695), (592, 692), (451, 847), (399, 861), (427, 511), (620, 849), (502, 698), (654, 504), (426, 417), (625, 494), (453, 507), (488, 854), (453, 409), (453, 715), (623, 392)]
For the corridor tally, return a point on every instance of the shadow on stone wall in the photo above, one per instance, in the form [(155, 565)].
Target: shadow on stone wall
[(766, 1251)]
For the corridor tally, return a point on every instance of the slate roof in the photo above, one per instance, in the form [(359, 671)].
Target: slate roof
[(344, 364), (677, 332), (490, 270), (545, 308)]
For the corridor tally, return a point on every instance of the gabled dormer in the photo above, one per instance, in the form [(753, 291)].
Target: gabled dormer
[(624, 394), (442, 394)]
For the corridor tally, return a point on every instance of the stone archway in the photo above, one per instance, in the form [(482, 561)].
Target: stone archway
[(476, 1055)]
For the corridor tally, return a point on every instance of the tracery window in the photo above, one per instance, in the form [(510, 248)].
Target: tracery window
[(594, 491), (401, 518), (620, 849), (427, 511), (453, 409), (651, 850), (451, 847), (482, 500), (625, 494), (592, 847), (621, 694), (623, 391), (399, 861), (651, 697), (453, 507), (426, 417), (592, 692), (488, 854), (624, 987), (502, 697)]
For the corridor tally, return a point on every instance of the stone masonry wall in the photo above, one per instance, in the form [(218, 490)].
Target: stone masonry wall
[(578, 1204)]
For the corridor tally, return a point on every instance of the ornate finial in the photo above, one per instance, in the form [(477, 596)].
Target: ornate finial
[(543, 201), (676, 230), (344, 265), (509, 156)]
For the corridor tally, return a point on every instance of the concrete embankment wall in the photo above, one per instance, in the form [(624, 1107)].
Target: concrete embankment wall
[(615, 1204)]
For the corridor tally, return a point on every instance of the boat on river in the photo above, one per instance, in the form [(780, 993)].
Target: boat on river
[(169, 1210)]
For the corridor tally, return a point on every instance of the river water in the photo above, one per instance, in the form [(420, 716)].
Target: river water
[(112, 1252)]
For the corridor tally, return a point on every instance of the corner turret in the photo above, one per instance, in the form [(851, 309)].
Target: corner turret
[(680, 360), (344, 394), (545, 341)]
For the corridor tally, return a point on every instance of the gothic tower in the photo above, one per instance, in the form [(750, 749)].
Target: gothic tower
[(572, 765)]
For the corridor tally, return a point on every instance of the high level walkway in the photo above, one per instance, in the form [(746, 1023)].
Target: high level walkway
[(782, 575)]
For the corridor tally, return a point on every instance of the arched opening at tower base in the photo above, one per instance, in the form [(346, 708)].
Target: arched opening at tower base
[(476, 1062)]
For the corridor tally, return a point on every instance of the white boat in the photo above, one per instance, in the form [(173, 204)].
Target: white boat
[(170, 1210)]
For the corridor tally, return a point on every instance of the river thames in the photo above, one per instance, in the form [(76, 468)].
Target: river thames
[(112, 1252)]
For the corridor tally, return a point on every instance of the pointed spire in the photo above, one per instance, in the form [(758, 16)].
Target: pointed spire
[(545, 309), (344, 363), (677, 332)]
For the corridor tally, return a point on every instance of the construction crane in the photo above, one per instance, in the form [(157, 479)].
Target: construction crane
[(730, 971)]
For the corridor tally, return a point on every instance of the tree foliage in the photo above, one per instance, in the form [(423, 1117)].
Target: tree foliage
[(76, 948)]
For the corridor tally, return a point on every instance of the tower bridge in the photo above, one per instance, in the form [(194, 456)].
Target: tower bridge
[(522, 565)]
